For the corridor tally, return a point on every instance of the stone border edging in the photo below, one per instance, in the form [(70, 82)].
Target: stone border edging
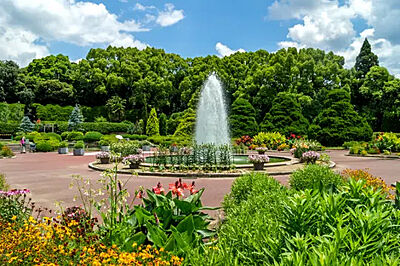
[(93, 166), (379, 156)]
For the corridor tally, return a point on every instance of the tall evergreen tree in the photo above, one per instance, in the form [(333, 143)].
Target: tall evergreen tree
[(242, 119), (285, 115), (365, 60), (75, 119), (152, 127), (163, 125), (338, 122), (26, 125)]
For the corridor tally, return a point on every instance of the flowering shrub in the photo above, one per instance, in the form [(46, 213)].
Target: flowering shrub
[(6, 152), (373, 181), (49, 242), (134, 158), (310, 157), (14, 203), (125, 148), (258, 158), (283, 147), (103, 155), (246, 140), (301, 146), (78, 220)]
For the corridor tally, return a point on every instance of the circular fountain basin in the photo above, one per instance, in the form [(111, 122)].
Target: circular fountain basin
[(239, 160)]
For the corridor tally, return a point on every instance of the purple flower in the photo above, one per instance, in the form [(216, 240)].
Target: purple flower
[(310, 157), (134, 158), (14, 192), (258, 158)]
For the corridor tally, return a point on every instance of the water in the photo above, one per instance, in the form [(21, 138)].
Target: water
[(212, 120)]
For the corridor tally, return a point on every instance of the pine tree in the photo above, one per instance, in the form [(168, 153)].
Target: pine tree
[(186, 124), (338, 122), (365, 60), (26, 125), (242, 119), (152, 127), (163, 125), (285, 116), (75, 119)]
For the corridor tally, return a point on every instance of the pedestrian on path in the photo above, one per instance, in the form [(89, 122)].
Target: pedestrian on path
[(23, 145)]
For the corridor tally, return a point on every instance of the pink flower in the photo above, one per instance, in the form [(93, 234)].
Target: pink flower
[(158, 189)]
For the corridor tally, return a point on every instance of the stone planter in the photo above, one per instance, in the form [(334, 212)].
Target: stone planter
[(146, 148), (134, 165), (105, 148), (63, 150), (79, 152), (258, 166), (104, 160)]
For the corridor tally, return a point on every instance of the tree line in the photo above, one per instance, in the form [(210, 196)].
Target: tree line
[(287, 90)]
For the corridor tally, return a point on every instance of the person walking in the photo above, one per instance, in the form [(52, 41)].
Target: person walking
[(23, 145)]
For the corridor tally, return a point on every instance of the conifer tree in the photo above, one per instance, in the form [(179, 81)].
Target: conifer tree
[(75, 119), (26, 125), (163, 125), (242, 119), (365, 60), (152, 127)]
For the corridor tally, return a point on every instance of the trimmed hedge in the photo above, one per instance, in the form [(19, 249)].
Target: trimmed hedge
[(134, 137), (92, 136), (9, 128)]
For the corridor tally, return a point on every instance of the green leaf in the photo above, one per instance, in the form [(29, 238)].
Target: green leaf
[(156, 235), (186, 225)]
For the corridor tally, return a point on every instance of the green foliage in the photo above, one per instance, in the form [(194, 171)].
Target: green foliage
[(163, 125), (365, 60), (75, 119), (3, 183), (285, 116), (6, 152), (152, 126), (135, 136), (26, 125), (116, 108), (338, 122), (74, 136), (314, 176), (173, 122), (270, 140), (52, 112), (9, 128), (63, 144), (124, 148), (45, 142), (11, 112), (92, 136), (79, 145), (46, 145), (186, 124), (242, 119)]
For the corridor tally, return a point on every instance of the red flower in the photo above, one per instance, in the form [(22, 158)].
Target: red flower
[(177, 188), (192, 189), (140, 194), (298, 137), (158, 189)]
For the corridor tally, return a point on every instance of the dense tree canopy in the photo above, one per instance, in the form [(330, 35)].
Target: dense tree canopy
[(242, 118), (170, 84)]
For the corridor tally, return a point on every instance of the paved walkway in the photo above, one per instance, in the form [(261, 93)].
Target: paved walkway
[(48, 176)]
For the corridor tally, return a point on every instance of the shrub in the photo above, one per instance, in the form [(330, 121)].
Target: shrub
[(6, 152), (186, 124), (124, 147), (74, 136), (271, 140), (92, 136), (46, 145), (310, 157), (104, 142), (134, 137), (242, 118), (314, 176), (53, 112), (63, 144), (75, 119), (152, 126), (64, 135), (52, 135), (163, 125), (3, 183), (79, 145), (9, 128), (26, 125)]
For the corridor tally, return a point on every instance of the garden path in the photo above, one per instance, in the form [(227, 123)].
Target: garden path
[(48, 176)]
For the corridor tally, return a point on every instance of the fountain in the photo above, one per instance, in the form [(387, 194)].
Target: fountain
[(212, 120)]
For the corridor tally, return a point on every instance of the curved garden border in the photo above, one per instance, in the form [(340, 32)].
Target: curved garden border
[(378, 156), (95, 166)]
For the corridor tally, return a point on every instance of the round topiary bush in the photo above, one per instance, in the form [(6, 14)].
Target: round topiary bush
[(44, 146), (75, 135), (92, 136), (314, 176)]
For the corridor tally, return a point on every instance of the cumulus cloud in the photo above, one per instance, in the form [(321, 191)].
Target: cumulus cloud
[(79, 23), (328, 25), (169, 16), (224, 50), (141, 7)]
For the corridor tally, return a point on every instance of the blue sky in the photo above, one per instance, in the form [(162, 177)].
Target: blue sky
[(33, 29)]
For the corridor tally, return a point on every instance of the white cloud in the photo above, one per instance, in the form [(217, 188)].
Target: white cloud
[(141, 7), (169, 16), (80, 23), (126, 40), (328, 25), (224, 50)]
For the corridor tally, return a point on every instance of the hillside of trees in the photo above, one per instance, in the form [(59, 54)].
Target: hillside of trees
[(287, 89)]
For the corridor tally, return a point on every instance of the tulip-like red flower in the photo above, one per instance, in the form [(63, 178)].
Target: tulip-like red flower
[(192, 189), (140, 194), (177, 188), (158, 189)]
